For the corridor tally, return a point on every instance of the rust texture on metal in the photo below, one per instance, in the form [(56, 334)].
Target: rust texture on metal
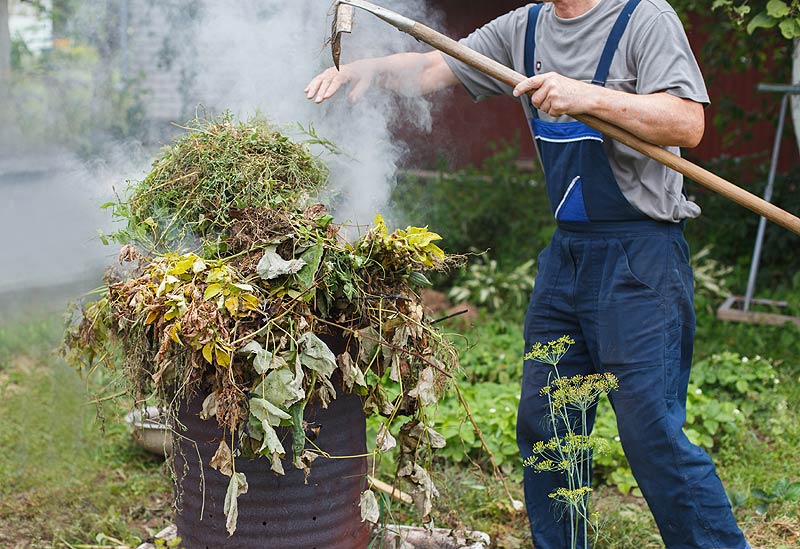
[(342, 23), (277, 511)]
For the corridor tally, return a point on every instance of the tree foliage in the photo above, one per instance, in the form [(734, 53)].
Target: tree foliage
[(768, 14)]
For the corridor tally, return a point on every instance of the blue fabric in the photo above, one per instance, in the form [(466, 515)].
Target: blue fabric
[(567, 131), (530, 39), (584, 157), (626, 298), (612, 43), (572, 207), (530, 45), (570, 150)]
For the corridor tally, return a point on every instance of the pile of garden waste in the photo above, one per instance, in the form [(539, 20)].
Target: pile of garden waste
[(233, 281)]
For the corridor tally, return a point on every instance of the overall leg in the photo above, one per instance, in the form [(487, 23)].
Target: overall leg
[(645, 333), (550, 315)]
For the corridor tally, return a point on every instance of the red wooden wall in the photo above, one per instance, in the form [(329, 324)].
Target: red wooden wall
[(463, 130)]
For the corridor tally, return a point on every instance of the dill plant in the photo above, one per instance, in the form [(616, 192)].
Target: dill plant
[(571, 448)]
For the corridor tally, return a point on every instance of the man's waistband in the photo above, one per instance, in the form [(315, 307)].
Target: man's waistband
[(606, 228)]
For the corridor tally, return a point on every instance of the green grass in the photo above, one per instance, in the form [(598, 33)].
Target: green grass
[(65, 476), (756, 457)]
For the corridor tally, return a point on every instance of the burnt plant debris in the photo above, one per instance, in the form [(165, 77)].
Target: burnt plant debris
[(233, 285)]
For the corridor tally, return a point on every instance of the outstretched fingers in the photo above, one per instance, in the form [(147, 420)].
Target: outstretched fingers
[(325, 85)]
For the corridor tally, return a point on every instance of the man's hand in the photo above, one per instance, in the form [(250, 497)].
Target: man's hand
[(409, 74), (556, 94), (660, 118), (359, 74)]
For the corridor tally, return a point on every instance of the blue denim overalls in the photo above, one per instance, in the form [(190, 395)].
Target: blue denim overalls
[(619, 283)]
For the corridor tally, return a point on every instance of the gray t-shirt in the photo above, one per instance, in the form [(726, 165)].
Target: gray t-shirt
[(653, 56)]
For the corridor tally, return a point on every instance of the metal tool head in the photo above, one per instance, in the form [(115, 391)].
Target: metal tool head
[(342, 23), (344, 13)]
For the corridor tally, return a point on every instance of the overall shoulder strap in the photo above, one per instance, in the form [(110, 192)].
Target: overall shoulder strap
[(530, 40), (601, 75)]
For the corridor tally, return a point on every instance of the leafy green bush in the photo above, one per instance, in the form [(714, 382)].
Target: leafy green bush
[(483, 283), (768, 14), (781, 490), (737, 377), (494, 355), (498, 206), (494, 407), (732, 231), (709, 275)]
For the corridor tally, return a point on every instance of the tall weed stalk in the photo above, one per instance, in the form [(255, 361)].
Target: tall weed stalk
[(571, 448)]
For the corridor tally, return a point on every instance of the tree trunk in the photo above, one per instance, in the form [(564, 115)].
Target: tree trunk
[(5, 46), (796, 98), (6, 102)]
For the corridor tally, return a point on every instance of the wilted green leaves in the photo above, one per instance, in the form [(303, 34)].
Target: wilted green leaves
[(236, 487)]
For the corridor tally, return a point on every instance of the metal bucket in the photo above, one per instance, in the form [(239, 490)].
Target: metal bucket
[(279, 512)]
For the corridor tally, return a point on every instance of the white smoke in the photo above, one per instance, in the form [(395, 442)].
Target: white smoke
[(50, 213), (248, 57), (257, 56)]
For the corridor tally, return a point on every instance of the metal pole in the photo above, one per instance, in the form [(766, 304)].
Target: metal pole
[(762, 224)]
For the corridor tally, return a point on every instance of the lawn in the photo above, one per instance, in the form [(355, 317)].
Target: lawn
[(70, 477), (68, 472)]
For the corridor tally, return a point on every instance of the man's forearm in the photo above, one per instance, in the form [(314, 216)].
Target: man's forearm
[(660, 118), (413, 74), (410, 74)]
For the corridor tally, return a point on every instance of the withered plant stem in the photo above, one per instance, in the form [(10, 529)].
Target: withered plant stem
[(496, 469)]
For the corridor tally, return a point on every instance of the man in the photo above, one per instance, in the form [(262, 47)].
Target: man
[(616, 276)]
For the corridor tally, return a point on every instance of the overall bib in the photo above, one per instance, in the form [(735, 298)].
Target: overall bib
[(619, 283)]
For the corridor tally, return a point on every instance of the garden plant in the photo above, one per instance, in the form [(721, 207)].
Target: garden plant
[(571, 449)]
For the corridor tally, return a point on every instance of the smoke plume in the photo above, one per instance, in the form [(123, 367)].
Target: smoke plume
[(256, 56), (244, 56)]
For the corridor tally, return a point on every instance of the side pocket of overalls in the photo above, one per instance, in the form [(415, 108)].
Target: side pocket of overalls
[(680, 338)]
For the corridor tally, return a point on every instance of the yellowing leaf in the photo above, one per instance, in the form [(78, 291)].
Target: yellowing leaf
[(151, 316), (232, 304), (212, 291), (420, 238), (208, 350), (222, 355), (250, 301), (174, 332), (183, 265), (380, 225)]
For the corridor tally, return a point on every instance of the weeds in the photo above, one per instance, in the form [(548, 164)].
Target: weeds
[(569, 451)]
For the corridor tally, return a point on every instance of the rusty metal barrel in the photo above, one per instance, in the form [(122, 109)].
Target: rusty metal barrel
[(281, 512)]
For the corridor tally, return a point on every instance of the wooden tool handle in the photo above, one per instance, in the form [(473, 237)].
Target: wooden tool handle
[(702, 176)]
